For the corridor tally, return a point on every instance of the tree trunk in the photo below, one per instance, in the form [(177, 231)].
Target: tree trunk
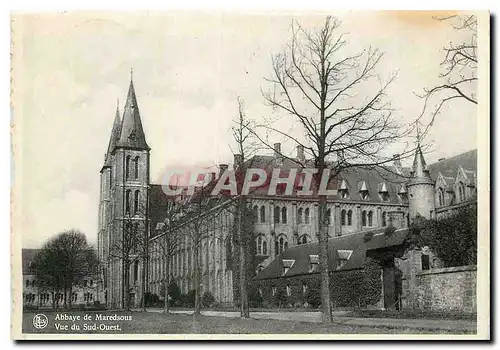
[(197, 282), (244, 309), (126, 283), (143, 282), (166, 279), (323, 261), (70, 296)]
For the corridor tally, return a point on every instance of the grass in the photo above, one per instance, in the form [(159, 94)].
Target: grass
[(158, 323), (413, 314)]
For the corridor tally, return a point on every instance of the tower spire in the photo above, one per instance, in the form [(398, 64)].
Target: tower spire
[(115, 133)]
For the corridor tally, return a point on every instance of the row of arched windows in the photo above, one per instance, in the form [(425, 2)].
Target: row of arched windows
[(366, 218), (262, 211), (128, 198), (132, 167), (305, 213)]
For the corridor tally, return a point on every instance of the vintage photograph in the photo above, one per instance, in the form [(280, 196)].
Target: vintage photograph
[(217, 175)]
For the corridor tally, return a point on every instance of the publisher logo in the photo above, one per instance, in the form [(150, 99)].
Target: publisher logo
[(40, 321)]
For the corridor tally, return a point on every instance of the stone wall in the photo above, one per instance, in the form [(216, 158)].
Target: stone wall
[(451, 289)]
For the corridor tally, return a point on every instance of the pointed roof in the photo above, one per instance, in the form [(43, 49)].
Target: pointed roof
[(115, 134), (132, 134), (420, 172)]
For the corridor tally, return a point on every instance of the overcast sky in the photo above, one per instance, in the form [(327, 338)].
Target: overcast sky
[(188, 70)]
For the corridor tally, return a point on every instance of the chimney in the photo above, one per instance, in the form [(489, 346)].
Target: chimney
[(300, 153), (397, 162), (238, 158), (222, 169), (277, 150)]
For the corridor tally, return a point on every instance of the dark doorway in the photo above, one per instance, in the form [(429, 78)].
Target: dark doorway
[(392, 280)]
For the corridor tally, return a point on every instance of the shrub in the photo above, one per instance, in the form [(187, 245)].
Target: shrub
[(190, 298), (313, 294), (452, 239), (174, 293), (254, 297), (280, 298), (207, 300)]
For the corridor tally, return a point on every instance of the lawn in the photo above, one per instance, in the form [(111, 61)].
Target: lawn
[(158, 323)]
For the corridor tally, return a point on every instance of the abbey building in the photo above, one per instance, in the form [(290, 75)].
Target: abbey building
[(132, 211)]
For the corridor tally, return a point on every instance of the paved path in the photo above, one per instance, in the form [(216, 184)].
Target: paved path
[(341, 319)]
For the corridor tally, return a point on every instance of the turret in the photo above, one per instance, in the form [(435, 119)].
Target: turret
[(420, 189)]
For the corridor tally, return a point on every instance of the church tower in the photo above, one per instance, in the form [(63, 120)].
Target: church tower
[(420, 189), (123, 213)]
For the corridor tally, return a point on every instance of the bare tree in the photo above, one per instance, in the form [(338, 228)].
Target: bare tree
[(459, 75), (201, 208), (130, 248), (245, 146), (340, 103)]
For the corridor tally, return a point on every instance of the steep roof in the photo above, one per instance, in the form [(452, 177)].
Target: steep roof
[(373, 177), (449, 167), (28, 256), (357, 243), (115, 135), (420, 172), (131, 133)]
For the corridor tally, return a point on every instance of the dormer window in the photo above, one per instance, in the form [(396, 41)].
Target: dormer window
[(313, 263), (363, 190), (343, 190), (287, 265), (343, 257), (383, 192)]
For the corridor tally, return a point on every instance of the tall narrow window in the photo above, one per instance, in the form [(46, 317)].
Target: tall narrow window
[(136, 168), (283, 215), (264, 247), (440, 197), (370, 218), (136, 270), (136, 202), (342, 217), (299, 216), (384, 220), (127, 202), (277, 215), (262, 214), (306, 216), (259, 245), (363, 218), (349, 218), (328, 216), (255, 213), (127, 167)]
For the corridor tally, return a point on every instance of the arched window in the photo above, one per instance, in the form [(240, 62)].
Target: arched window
[(136, 202), (349, 218), (264, 247), (276, 248), (363, 218), (277, 214), (282, 244), (136, 167), (384, 220), (461, 191), (306, 216), (283, 215), (259, 245), (328, 216), (303, 239), (136, 270), (127, 202), (262, 214), (299, 216), (370, 218), (127, 167), (256, 213), (440, 197), (342, 217)]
